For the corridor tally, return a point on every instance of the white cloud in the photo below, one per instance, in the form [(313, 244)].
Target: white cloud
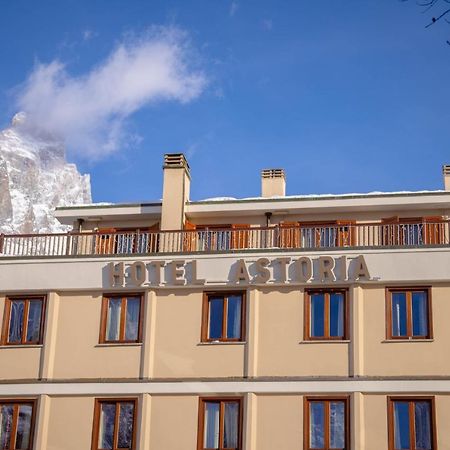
[(90, 110), (88, 35), (233, 8)]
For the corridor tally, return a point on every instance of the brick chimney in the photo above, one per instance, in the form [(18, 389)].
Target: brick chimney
[(176, 186), (446, 173), (273, 183)]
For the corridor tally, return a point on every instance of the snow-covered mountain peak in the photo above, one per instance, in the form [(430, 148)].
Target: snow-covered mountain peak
[(35, 178)]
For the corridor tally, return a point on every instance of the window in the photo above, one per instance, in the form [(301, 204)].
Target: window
[(220, 424), (409, 313), (411, 424), (121, 318), (23, 320), (326, 424), (326, 314), (223, 316), (16, 421), (114, 424)]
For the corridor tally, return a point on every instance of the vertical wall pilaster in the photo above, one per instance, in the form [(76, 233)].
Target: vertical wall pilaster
[(47, 361), (250, 418), (42, 422), (357, 422), (143, 431), (251, 348), (148, 342), (356, 363)]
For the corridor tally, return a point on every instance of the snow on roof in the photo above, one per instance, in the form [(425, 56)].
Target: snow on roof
[(318, 196)]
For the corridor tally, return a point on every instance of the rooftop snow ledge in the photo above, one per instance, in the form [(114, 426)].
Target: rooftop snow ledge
[(106, 205), (319, 196)]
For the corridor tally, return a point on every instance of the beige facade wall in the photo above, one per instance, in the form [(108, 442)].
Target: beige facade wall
[(275, 324), (70, 423), (18, 363), (282, 350), (78, 353), (405, 358), (173, 423), (179, 352), (279, 422)]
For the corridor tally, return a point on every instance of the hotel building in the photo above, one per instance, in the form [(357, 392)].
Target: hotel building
[(271, 323)]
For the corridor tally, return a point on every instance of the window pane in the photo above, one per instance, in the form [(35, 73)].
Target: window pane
[(420, 313), (337, 425), (6, 418), (316, 425), (231, 424), (34, 321), (23, 427), (113, 322), (234, 317), (215, 318), (211, 424), (317, 315), (422, 422), (106, 426), (337, 315), (126, 425), (132, 323), (16, 321), (399, 314), (401, 425)]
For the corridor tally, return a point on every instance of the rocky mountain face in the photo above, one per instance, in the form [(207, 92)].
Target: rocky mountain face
[(35, 178)]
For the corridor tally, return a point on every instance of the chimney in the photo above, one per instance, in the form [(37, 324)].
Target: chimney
[(446, 173), (273, 183), (176, 186)]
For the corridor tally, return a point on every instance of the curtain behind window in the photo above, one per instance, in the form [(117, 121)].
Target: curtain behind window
[(16, 321), (231, 420), (211, 424), (234, 317)]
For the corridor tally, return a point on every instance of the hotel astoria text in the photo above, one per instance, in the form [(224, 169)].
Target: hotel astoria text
[(268, 323)]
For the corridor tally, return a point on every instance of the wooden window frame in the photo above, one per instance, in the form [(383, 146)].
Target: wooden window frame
[(104, 318), (306, 419), (307, 314), (205, 316), (17, 402), (96, 423), (411, 399), (409, 320), (7, 319), (201, 419)]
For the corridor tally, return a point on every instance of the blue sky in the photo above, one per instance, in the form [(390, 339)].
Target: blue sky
[(347, 96)]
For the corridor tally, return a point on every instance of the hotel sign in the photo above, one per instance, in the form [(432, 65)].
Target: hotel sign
[(284, 270)]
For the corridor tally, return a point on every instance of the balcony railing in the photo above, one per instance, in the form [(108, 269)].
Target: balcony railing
[(368, 235)]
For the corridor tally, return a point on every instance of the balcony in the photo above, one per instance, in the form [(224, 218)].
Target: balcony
[(327, 238)]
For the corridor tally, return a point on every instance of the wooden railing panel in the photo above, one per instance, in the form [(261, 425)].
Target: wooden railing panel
[(369, 235)]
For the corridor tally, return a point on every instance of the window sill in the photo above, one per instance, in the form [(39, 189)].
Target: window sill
[(223, 343), (22, 346), (325, 341), (120, 344), (389, 341)]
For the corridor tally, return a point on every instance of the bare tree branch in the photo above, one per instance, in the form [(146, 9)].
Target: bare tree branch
[(435, 19), (427, 5)]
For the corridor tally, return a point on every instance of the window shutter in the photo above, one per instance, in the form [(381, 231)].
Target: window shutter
[(189, 239), (433, 230), (105, 241), (289, 235), (240, 236)]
